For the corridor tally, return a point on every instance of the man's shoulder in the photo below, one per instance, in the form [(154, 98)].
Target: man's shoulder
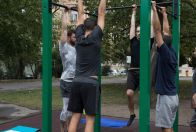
[(80, 29), (134, 40)]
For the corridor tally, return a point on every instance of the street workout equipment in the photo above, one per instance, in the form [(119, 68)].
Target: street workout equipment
[(145, 12)]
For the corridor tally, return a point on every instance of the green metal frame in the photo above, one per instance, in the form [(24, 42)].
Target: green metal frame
[(176, 45), (47, 67), (144, 99), (97, 126), (144, 112)]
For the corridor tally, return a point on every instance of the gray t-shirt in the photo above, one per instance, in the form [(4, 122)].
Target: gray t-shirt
[(194, 82), (88, 52), (68, 57)]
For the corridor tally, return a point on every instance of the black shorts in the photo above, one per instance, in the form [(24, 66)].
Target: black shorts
[(133, 79), (85, 94), (65, 88)]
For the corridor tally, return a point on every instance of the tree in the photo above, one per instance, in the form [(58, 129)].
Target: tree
[(20, 33), (188, 30), (116, 38)]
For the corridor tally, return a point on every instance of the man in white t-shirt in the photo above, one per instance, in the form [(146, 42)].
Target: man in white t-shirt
[(68, 57)]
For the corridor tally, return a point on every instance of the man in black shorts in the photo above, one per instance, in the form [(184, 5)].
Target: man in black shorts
[(133, 71), (193, 120), (85, 90)]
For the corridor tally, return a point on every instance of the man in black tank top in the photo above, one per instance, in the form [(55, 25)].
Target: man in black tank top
[(85, 89), (133, 71)]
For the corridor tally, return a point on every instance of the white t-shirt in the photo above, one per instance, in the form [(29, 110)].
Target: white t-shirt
[(68, 58)]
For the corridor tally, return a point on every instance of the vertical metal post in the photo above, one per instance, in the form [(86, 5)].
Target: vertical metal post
[(46, 66), (144, 112), (176, 44), (97, 126)]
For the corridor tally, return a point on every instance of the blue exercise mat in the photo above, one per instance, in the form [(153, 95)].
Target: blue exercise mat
[(108, 122), (22, 129)]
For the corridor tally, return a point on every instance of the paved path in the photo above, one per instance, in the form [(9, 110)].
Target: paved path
[(10, 111), (8, 85), (33, 84)]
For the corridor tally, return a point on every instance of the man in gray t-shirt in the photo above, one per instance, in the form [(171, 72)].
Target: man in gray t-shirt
[(68, 57), (193, 120)]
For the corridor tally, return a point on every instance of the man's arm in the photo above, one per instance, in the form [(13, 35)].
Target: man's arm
[(166, 30), (101, 14), (132, 26), (157, 25), (80, 12), (63, 38), (151, 26)]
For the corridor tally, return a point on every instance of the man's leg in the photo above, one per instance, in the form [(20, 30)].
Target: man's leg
[(74, 122), (65, 114), (167, 129), (62, 126), (130, 94), (90, 119), (132, 81)]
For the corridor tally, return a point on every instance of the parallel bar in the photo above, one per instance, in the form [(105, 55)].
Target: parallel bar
[(73, 9), (128, 7), (144, 111), (176, 44), (46, 66)]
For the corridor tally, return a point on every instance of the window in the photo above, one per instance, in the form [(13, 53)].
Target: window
[(74, 16)]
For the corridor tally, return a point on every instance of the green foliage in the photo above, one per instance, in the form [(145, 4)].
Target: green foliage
[(105, 70), (188, 30), (20, 33), (116, 39), (57, 64)]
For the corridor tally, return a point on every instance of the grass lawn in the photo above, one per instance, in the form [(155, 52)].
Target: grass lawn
[(111, 94)]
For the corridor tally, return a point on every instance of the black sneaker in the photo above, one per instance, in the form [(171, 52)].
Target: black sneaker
[(131, 119)]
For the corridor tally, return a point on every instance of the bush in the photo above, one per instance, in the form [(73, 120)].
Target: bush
[(105, 70)]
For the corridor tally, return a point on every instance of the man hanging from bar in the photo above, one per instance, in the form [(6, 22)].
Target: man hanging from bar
[(85, 89), (167, 97), (193, 120), (68, 57), (133, 71)]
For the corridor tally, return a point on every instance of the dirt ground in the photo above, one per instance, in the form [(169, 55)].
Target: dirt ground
[(185, 112)]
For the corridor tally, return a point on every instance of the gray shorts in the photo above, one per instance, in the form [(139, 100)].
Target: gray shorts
[(65, 88), (65, 114), (166, 108)]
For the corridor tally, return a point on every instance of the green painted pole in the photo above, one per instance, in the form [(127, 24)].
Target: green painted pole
[(176, 44), (97, 126), (144, 112), (46, 67)]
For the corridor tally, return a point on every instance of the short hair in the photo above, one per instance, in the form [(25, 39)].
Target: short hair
[(70, 32), (167, 40), (137, 25), (90, 23)]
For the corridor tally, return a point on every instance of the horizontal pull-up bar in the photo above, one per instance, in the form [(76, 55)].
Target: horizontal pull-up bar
[(72, 8), (159, 7), (165, 4)]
